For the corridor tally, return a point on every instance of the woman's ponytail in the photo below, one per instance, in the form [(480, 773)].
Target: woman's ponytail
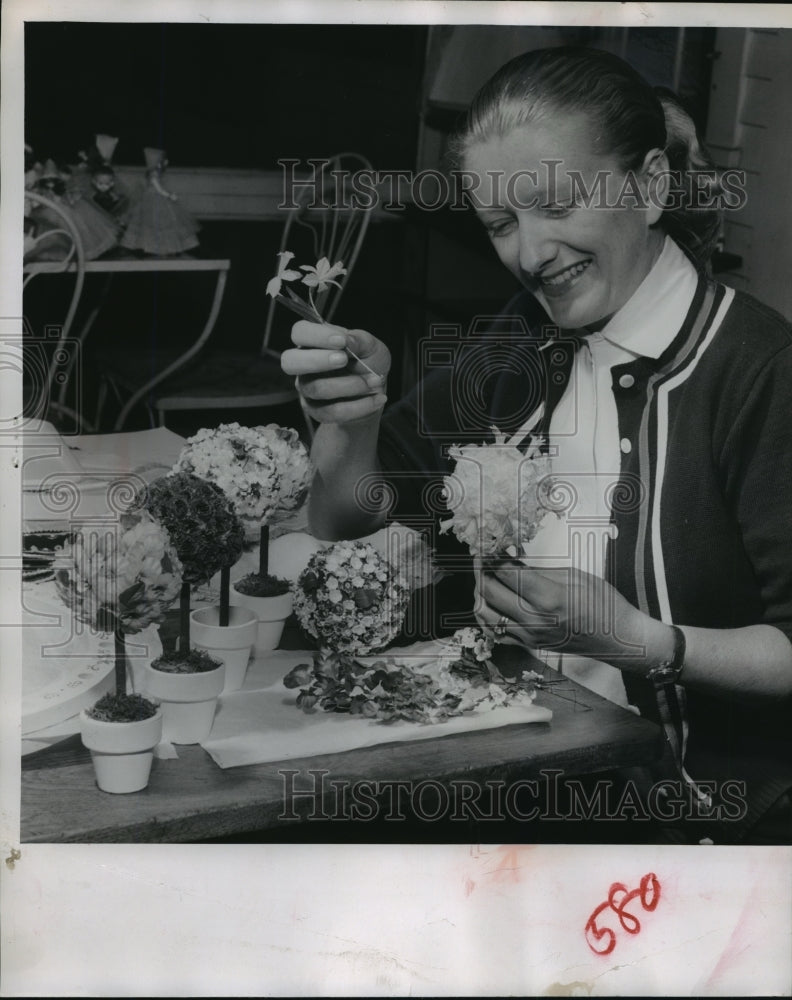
[(693, 217)]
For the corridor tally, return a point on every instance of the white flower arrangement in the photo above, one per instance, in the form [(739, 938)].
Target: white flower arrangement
[(262, 470), (497, 496), (120, 582), (350, 598), (294, 464), (406, 548)]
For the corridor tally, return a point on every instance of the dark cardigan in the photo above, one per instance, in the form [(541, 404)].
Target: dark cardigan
[(703, 506)]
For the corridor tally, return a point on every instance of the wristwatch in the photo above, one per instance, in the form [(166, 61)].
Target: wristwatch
[(669, 671)]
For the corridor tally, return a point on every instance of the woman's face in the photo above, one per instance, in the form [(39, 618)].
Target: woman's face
[(582, 262)]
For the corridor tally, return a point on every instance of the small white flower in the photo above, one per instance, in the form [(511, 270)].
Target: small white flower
[(274, 284), (323, 274)]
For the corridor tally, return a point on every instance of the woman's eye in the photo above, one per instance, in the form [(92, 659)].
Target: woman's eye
[(557, 211), (500, 227)]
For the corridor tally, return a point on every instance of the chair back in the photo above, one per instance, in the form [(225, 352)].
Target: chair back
[(54, 247), (328, 221)]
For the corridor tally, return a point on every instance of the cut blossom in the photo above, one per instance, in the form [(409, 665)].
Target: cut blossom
[(458, 681), (323, 274), (274, 284)]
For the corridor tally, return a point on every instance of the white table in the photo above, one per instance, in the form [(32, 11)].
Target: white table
[(111, 266)]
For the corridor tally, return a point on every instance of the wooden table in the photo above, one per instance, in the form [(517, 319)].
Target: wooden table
[(192, 799)]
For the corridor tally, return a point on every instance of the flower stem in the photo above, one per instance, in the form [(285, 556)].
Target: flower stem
[(312, 313), (184, 619), (225, 584), (120, 662), (264, 551)]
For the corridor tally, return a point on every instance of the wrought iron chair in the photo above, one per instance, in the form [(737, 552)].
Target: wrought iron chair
[(319, 226), (51, 363)]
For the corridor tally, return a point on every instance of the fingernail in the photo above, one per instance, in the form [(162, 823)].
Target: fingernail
[(337, 340), (337, 358), (373, 380), (351, 342)]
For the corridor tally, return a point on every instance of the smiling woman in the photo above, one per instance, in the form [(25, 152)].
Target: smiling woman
[(582, 262), (660, 398)]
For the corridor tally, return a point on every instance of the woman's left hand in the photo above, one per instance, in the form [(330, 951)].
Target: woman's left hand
[(565, 610)]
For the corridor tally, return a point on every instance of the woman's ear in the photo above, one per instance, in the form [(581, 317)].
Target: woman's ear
[(655, 175)]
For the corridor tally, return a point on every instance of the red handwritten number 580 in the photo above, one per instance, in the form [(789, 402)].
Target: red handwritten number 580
[(618, 898)]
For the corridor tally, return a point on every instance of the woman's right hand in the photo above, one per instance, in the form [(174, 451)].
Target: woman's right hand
[(337, 388)]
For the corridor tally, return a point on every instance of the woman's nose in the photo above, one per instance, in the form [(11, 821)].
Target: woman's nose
[(538, 248)]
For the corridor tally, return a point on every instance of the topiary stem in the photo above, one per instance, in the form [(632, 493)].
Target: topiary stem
[(184, 618), (264, 551), (225, 584), (120, 662)]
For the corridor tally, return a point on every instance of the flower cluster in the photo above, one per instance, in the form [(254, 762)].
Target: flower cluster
[(317, 276), (200, 520), (260, 469), (459, 681), (468, 646), (350, 598), (123, 580), (294, 465), (497, 496), (406, 548)]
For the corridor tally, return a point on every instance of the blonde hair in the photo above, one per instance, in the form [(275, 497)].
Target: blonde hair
[(628, 117)]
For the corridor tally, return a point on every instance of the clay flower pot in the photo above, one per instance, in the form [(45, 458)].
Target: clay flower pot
[(122, 752), (188, 700), (230, 643), (271, 613)]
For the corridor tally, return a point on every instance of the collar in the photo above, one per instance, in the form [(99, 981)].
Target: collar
[(650, 319)]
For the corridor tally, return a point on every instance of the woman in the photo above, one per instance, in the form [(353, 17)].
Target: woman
[(666, 402)]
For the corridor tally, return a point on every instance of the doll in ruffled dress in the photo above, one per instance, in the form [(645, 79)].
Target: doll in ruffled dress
[(98, 181), (97, 231), (156, 223), (105, 192)]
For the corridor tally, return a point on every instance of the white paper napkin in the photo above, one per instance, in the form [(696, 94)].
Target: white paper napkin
[(262, 723)]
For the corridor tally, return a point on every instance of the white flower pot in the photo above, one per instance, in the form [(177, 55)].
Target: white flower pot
[(122, 752), (271, 612), (188, 701), (231, 643)]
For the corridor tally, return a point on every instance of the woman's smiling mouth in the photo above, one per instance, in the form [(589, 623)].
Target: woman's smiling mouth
[(562, 281)]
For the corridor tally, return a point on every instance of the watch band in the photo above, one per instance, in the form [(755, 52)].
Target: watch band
[(672, 706), (669, 671)]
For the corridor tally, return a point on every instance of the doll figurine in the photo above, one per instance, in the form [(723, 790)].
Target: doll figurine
[(98, 181), (105, 192), (156, 223), (97, 232)]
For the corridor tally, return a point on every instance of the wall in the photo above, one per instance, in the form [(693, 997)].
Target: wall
[(750, 127)]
